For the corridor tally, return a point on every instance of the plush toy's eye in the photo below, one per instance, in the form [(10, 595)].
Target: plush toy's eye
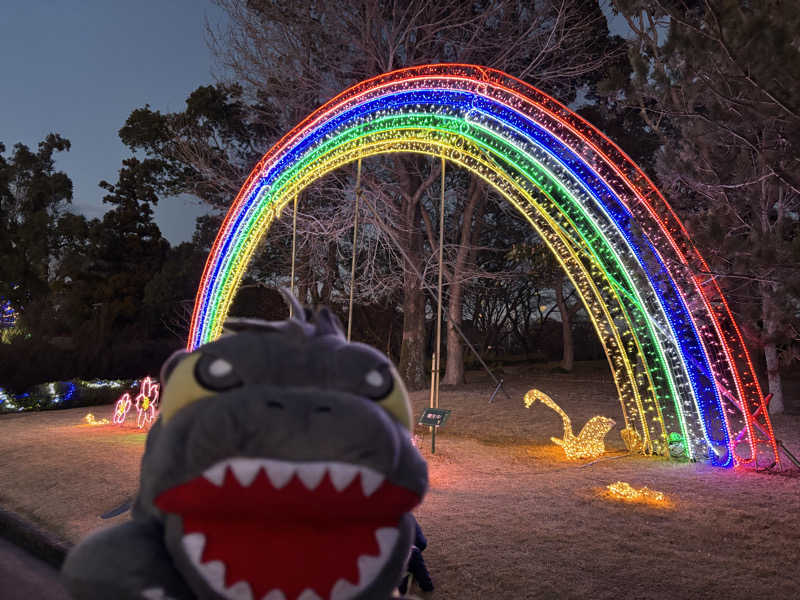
[(215, 373), (378, 383)]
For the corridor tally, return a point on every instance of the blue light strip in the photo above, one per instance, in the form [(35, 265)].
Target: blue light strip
[(680, 323)]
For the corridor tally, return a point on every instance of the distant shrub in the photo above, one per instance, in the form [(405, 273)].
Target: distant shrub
[(64, 394)]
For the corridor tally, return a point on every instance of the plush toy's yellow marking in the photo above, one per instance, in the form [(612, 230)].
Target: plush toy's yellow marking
[(397, 403), (181, 388)]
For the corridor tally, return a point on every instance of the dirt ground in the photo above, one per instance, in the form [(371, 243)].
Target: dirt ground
[(507, 516)]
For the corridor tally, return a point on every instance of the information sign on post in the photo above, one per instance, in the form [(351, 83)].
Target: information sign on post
[(434, 418)]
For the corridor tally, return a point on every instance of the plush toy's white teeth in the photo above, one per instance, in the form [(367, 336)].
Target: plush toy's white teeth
[(193, 545), (311, 474), (370, 566), (216, 474), (280, 472), (341, 474), (368, 569), (370, 481), (344, 590), (239, 591), (245, 470), (214, 571)]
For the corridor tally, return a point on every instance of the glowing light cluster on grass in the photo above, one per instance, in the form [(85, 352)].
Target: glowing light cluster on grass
[(676, 354), (624, 491), (92, 420), (589, 443)]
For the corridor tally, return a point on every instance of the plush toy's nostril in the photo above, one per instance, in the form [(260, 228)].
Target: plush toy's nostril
[(274, 404), (322, 409)]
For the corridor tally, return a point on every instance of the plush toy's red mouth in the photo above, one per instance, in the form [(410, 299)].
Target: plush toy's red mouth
[(266, 529)]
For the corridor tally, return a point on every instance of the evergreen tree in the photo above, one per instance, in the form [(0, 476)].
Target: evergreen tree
[(719, 82), (103, 282), (33, 196)]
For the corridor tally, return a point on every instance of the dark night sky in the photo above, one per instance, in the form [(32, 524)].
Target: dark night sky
[(78, 68)]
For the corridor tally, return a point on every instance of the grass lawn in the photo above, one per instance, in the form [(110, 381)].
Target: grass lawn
[(507, 516)]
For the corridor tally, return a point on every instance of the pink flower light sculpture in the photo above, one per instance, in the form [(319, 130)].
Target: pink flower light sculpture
[(147, 402), (121, 409)]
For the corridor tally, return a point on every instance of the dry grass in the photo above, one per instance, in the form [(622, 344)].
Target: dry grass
[(509, 517), (63, 474), (506, 516)]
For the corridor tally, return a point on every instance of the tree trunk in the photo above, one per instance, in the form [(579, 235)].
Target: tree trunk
[(302, 278), (568, 354), (774, 379), (475, 205), (769, 310), (331, 269), (412, 349), (454, 371), (769, 333)]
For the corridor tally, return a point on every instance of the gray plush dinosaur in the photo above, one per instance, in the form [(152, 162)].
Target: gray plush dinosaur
[(280, 468)]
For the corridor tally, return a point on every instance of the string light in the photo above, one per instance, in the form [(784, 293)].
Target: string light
[(147, 402), (632, 440), (589, 443), (91, 420), (8, 316), (121, 408), (102, 383), (5, 399), (624, 491), (676, 355), (56, 398)]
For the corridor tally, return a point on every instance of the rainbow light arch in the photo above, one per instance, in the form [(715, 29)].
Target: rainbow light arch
[(676, 354)]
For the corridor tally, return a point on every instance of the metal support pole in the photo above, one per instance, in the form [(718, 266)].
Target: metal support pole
[(433, 379), (353, 265), (791, 456), (294, 237), (433, 393), (439, 303), (497, 389)]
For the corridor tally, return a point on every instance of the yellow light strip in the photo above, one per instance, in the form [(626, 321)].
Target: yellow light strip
[(368, 146)]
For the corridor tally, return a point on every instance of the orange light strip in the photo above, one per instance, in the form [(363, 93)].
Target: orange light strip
[(598, 153)]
